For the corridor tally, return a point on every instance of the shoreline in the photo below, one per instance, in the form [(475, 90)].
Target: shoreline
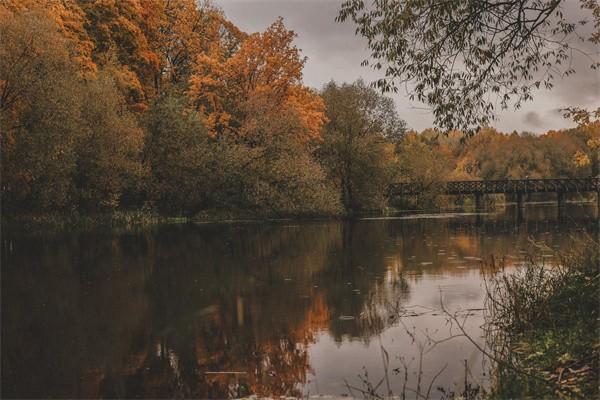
[(136, 219), (142, 218)]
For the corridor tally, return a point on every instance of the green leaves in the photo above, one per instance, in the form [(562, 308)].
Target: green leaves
[(358, 143), (461, 57)]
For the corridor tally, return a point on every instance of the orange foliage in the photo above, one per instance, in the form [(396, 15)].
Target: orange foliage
[(68, 17), (179, 30), (115, 27), (151, 44), (267, 66), (147, 44), (248, 87)]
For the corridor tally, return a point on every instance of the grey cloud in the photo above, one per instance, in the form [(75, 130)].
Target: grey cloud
[(334, 52), (583, 88), (533, 119)]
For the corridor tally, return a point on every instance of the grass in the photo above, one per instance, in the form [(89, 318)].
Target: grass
[(43, 222), (61, 221), (543, 324)]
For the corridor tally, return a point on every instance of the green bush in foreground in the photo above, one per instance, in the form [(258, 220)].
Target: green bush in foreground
[(544, 328)]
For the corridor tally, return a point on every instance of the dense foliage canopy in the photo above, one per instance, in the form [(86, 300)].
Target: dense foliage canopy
[(166, 105)]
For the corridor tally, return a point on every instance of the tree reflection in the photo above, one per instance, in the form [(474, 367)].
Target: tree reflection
[(214, 311)]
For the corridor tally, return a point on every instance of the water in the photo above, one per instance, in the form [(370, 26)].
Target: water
[(279, 308)]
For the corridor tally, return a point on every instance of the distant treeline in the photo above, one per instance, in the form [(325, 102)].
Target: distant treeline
[(167, 106), (430, 157)]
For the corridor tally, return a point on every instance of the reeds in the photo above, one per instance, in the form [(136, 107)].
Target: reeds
[(542, 324)]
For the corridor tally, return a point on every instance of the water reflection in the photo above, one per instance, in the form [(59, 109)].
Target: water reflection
[(230, 310)]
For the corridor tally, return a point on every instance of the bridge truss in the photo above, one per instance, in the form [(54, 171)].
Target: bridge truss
[(518, 186)]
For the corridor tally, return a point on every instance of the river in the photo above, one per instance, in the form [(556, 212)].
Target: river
[(272, 308)]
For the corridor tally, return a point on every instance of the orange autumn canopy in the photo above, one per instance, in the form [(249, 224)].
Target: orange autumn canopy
[(267, 66)]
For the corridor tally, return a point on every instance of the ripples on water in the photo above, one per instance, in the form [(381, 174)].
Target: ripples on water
[(258, 308)]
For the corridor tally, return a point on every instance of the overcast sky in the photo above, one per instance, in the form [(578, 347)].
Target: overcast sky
[(334, 52)]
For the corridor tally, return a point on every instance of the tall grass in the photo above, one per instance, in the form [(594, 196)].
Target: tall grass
[(542, 322)]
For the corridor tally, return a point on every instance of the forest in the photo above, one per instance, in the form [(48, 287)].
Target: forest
[(166, 106), (126, 112)]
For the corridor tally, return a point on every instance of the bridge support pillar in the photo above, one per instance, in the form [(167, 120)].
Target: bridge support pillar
[(520, 207), (520, 202), (560, 198), (478, 201)]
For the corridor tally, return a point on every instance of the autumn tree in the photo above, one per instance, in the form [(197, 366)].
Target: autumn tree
[(100, 34), (69, 20), (39, 119), (358, 140), (588, 128), (77, 77), (425, 164), (149, 44), (282, 175), (176, 153), (108, 148), (115, 28), (67, 141), (179, 31), (495, 155), (464, 57), (266, 66)]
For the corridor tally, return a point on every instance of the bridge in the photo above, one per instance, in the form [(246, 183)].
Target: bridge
[(520, 187)]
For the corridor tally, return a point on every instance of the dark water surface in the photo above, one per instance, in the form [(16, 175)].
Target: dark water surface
[(278, 308)]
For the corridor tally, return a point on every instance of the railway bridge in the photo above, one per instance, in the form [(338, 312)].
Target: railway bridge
[(520, 187)]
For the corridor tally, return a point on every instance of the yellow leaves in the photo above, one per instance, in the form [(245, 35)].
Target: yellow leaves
[(593, 143), (589, 154), (466, 169), (581, 159)]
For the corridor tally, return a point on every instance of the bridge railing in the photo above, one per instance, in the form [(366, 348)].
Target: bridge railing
[(504, 186)]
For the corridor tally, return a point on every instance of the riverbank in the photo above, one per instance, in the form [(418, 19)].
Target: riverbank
[(139, 218), (545, 324), (63, 221), (60, 221)]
